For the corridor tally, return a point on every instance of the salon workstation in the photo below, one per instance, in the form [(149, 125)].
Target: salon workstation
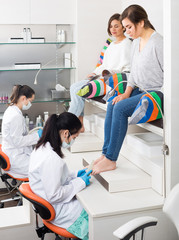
[(68, 76)]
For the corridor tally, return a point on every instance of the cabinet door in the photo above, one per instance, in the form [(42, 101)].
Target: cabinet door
[(53, 11), (14, 11)]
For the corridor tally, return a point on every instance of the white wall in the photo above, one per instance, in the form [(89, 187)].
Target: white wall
[(92, 19)]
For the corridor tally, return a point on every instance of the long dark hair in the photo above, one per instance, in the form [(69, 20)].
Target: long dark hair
[(21, 90), (52, 127), (135, 14), (115, 16)]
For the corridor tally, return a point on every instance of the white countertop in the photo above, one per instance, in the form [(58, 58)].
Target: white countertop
[(98, 202)]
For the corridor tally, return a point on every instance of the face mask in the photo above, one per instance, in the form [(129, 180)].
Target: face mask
[(26, 107), (67, 145)]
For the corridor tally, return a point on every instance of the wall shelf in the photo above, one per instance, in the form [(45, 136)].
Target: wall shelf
[(61, 100), (31, 43), (51, 100), (34, 69)]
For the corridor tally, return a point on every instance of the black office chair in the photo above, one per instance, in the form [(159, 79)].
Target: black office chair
[(11, 185), (46, 212)]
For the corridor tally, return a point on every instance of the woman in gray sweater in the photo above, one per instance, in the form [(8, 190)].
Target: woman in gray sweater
[(146, 73)]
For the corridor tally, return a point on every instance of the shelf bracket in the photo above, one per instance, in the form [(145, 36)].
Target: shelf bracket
[(59, 45)]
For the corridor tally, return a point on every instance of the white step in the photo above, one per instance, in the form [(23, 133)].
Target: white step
[(125, 177), (87, 141), (94, 119), (152, 166), (148, 144), (152, 128), (98, 131), (100, 119), (87, 121), (95, 123)]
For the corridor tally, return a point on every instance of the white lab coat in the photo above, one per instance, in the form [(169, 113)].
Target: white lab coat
[(16, 143), (50, 178)]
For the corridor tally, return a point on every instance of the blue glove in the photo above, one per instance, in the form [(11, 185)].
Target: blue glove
[(86, 177), (40, 132), (81, 172)]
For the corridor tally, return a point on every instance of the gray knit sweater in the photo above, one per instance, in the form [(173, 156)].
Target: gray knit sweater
[(147, 65)]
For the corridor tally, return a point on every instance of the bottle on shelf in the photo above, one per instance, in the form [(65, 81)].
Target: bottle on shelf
[(45, 117), (1, 99), (67, 60), (62, 35), (5, 98), (39, 121), (59, 36), (28, 35), (24, 35)]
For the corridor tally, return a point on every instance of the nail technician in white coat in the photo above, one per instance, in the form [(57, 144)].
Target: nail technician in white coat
[(50, 178), (16, 143)]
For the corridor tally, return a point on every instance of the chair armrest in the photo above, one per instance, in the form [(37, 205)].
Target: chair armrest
[(133, 226)]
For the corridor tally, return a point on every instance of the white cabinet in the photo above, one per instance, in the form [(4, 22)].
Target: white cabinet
[(37, 12), (52, 12), (14, 12)]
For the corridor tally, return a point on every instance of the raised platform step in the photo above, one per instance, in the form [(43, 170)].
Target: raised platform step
[(147, 144), (125, 177), (95, 124), (152, 166), (135, 151), (85, 142), (153, 127)]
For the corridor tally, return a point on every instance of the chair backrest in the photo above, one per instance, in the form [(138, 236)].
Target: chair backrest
[(4, 160), (41, 206), (171, 208)]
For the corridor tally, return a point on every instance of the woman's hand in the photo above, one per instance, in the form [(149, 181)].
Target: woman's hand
[(123, 96), (91, 75), (119, 98)]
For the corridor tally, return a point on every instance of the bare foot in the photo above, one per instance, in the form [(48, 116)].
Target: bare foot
[(103, 166), (82, 130), (99, 159)]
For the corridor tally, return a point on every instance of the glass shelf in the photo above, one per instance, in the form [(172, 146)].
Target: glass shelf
[(46, 100), (51, 100), (49, 68), (1, 103), (15, 43)]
